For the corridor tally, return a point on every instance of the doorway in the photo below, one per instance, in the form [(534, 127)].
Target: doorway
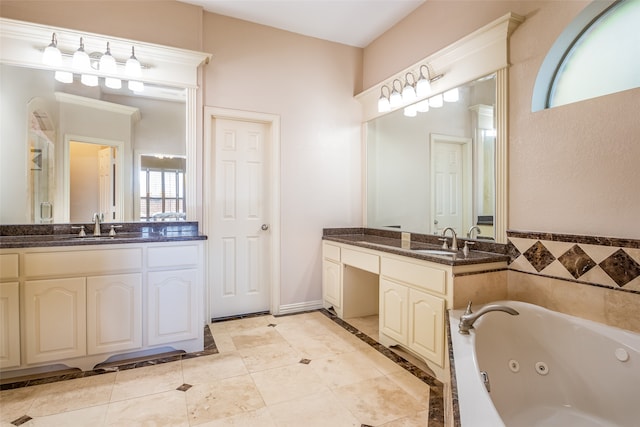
[(241, 215), (450, 183)]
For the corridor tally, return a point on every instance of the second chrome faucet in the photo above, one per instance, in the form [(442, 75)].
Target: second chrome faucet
[(97, 219)]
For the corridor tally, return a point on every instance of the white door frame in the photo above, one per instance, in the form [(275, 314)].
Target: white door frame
[(273, 121), (467, 185)]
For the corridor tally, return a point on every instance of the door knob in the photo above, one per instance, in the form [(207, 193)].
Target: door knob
[(265, 227)]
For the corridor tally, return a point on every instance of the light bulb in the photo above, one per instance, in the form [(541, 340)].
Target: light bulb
[(63, 76), (422, 106), (423, 87), (383, 104), (89, 80), (112, 83), (52, 55), (410, 111), (408, 93), (395, 99), (108, 62), (451, 95), (132, 66), (435, 101), (81, 60)]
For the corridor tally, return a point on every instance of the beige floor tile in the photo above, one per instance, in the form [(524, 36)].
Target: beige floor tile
[(70, 395), (224, 343), (343, 369), (412, 385), (258, 418), (287, 383), (321, 346), (380, 361), (302, 329), (210, 368), (378, 401), (222, 399), (138, 382), (420, 419), (269, 356), (16, 403), (91, 416), (162, 409), (316, 410), (256, 337)]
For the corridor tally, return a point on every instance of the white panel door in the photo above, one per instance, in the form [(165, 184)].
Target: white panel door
[(239, 240), (393, 310), (426, 325), (448, 182)]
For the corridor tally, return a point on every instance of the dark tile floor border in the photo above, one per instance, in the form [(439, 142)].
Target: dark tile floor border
[(436, 394)]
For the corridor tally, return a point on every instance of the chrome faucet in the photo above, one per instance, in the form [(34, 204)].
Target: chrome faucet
[(97, 219), (454, 240), (468, 318), (472, 229)]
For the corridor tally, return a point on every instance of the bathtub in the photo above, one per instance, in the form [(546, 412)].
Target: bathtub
[(546, 369)]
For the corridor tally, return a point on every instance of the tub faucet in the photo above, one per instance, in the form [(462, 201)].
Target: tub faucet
[(97, 219), (454, 239), (468, 318)]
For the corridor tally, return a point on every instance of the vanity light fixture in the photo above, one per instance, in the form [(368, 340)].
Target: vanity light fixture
[(383, 102), (395, 99), (52, 55), (409, 92), (84, 64)]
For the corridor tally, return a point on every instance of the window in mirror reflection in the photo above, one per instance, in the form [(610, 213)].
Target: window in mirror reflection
[(162, 188)]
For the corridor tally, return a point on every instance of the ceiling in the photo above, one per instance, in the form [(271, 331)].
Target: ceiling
[(351, 22)]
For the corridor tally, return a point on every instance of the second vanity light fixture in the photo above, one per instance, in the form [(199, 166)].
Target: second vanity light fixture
[(413, 89), (87, 64)]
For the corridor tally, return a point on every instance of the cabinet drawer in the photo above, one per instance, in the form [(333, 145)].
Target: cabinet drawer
[(8, 266), (77, 263), (331, 252), (429, 278), (361, 260), (173, 256)]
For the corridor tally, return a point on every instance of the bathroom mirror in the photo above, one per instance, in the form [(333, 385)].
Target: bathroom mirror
[(68, 149), (431, 165)]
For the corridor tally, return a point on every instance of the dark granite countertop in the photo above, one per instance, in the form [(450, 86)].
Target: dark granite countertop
[(390, 242), (49, 235)]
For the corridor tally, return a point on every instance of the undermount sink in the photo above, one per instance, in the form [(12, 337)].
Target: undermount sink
[(438, 252)]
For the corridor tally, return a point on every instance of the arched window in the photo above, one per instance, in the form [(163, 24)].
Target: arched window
[(597, 54)]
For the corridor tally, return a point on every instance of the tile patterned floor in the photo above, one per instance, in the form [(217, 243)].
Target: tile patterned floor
[(307, 369)]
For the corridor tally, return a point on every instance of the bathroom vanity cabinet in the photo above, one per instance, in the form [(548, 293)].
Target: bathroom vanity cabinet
[(409, 294), (78, 306)]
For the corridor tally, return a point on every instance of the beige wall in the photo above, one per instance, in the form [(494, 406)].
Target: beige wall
[(309, 83), (154, 21), (571, 169)]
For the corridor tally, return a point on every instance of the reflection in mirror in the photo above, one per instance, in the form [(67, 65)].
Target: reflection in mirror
[(42, 119), (432, 165), (162, 187)]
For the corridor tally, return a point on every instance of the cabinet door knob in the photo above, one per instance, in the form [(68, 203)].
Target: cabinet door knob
[(265, 227)]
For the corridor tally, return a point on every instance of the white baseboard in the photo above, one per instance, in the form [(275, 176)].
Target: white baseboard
[(300, 306)]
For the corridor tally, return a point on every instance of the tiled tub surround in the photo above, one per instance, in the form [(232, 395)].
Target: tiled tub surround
[(47, 235), (596, 278), (262, 370)]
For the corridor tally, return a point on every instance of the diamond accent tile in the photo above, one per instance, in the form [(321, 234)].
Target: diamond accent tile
[(539, 256), (512, 251), (184, 387), (305, 361), (576, 261), (23, 419), (621, 267)]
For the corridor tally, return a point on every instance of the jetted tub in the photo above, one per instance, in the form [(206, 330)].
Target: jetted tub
[(546, 369)]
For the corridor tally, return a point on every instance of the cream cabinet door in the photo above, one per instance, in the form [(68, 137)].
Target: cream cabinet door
[(9, 325), (393, 313), (426, 325), (332, 283), (114, 313), (173, 302), (55, 319)]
